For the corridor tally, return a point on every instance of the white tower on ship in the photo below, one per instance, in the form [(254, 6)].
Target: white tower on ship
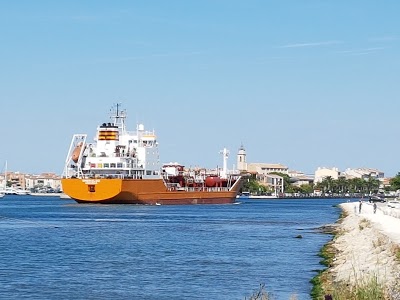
[(241, 159), (225, 154)]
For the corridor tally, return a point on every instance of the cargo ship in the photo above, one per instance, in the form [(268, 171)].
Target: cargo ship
[(123, 167)]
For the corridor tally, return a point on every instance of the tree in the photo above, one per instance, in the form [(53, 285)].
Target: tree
[(356, 185), (372, 184), (306, 189), (253, 186), (343, 185), (395, 182)]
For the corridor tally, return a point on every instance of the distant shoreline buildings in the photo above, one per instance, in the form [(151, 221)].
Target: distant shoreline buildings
[(264, 172), (43, 183)]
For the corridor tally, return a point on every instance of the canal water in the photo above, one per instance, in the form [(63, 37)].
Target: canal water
[(52, 248)]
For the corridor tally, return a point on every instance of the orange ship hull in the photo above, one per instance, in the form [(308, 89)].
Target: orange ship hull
[(148, 191)]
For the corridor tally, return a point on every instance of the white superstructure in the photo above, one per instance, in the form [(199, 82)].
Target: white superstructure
[(115, 153)]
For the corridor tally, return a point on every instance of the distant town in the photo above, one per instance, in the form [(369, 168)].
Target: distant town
[(43, 183), (272, 178), (278, 180)]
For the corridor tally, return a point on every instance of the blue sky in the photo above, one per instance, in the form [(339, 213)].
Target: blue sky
[(305, 83)]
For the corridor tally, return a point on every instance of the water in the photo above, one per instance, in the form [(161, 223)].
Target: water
[(52, 248)]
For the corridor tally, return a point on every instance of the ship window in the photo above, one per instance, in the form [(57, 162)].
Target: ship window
[(91, 188), (148, 172), (112, 165), (119, 165), (106, 165)]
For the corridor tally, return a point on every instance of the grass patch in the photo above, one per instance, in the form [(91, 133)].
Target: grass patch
[(364, 223), (317, 291), (396, 252), (379, 242), (327, 253), (343, 215), (323, 280), (365, 289)]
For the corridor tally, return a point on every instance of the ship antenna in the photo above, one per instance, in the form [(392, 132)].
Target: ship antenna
[(225, 154), (119, 116)]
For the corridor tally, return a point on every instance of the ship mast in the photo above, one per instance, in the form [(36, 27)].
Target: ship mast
[(118, 116), (225, 154)]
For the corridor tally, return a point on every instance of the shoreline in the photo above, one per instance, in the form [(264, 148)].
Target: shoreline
[(365, 247), (46, 194)]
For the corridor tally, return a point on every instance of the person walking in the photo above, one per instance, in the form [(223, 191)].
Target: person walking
[(359, 207), (375, 207)]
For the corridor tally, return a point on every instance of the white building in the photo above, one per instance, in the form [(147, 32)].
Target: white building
[(43, 182), (363, 173), (298, 178), (264, 168), (241, 163), (321, 173), (263, 174), (294, 173), (274, 182)]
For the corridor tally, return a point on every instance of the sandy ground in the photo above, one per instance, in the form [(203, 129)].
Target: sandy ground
[(367, 244)]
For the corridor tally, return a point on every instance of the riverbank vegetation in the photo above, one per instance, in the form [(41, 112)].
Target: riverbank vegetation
[(369, 289), (255, 187), (262, 294), (364, 288), (328, 186)]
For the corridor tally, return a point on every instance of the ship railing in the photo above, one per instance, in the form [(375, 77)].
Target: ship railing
[(104, 176), (103, 154), (110, 166), (207, 189), (177, 187), (218, 189), (173, 186)]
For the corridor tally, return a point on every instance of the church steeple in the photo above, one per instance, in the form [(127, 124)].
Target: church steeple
[(241, 159)]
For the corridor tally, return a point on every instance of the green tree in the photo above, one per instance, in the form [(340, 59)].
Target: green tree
[(372, 184), (252, 186), (395, 182), (343, 185), (306, 189), (329, 183), (357, 185)]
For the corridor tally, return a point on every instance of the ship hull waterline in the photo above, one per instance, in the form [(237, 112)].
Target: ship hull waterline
[(137, 191)]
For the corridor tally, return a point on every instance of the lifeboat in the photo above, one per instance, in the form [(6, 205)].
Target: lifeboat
[(77, 152)]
